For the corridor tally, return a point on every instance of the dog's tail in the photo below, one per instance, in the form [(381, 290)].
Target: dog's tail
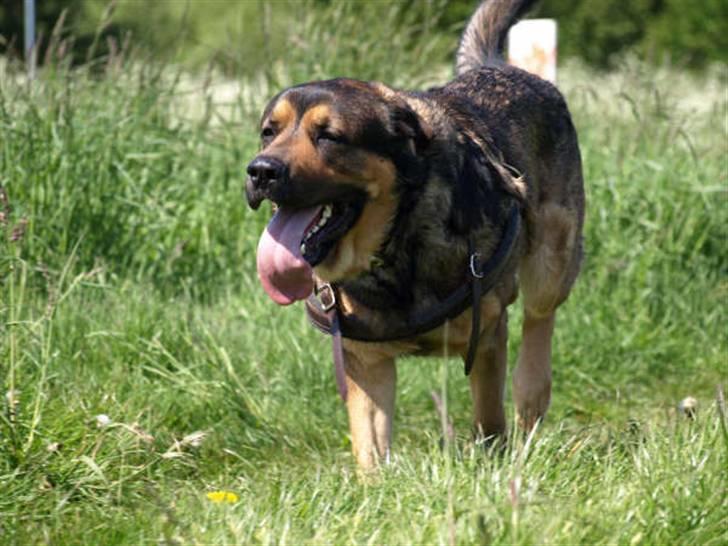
[(484, 37)]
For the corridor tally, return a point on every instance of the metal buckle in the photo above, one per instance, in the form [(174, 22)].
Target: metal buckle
[(326, 296), (473, 271)]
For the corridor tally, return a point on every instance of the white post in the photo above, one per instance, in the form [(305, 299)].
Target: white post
[(30, 54), (532, 46)]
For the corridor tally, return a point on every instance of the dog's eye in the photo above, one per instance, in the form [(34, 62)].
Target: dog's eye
[(328, 136), (266, 135)]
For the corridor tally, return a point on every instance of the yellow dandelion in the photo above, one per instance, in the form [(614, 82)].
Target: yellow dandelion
[(223, 497)]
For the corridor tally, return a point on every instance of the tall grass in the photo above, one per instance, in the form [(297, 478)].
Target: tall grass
[(304, 38), (104, 164), (142, 365)]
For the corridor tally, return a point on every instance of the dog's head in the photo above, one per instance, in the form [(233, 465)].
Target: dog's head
[(332, 155)]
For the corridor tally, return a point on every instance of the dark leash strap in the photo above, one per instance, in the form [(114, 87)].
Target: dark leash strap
[(323, 313), (339, 358), (482, 280), (477, 292)]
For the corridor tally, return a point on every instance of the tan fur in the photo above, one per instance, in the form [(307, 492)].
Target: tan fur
[(354, 251), (292, 143), (551, 261), (318, 115), (371, 384), (283, 114)]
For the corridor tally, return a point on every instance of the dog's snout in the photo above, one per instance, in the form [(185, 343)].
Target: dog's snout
[(264, 171)]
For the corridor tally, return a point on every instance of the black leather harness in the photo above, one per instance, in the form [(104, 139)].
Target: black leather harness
[(323, 311)]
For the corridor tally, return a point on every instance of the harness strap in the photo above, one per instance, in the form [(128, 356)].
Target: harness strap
[(322, 308)]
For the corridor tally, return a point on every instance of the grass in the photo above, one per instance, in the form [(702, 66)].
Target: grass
[(131, 293)]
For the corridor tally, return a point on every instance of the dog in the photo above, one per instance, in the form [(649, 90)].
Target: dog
[(420, 215)]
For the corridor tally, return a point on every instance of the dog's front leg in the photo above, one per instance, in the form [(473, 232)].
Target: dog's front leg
[(371, 382), (487, 381)]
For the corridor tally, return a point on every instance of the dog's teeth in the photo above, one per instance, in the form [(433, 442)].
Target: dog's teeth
[(328, 210), (303, 248), (314, 229), (321, 222)]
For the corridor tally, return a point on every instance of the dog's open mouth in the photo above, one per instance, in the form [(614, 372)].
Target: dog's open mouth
[(295, 241)]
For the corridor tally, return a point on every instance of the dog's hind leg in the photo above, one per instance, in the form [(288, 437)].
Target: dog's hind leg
[(532, 378), (371, 383), (546, 274)]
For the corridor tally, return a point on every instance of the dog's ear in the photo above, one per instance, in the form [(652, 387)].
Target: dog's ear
[(409, 125), (474, 197), (485, 182)]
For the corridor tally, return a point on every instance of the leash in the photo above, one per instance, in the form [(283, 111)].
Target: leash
[(323, 312)]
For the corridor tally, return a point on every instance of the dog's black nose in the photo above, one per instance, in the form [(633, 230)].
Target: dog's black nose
[(266, 177), (266, 171)]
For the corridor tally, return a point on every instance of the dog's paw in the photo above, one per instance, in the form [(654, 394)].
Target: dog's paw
[(533, 397)]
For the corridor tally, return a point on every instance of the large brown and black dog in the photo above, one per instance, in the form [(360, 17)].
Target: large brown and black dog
[(390, 196)]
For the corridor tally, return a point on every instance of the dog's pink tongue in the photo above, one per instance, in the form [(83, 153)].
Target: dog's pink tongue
[(285, 275)]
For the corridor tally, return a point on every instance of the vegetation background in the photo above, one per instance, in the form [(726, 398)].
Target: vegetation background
[(241, 36), (143, 368)]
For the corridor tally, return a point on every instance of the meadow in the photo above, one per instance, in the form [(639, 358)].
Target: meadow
[(143, 367)]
